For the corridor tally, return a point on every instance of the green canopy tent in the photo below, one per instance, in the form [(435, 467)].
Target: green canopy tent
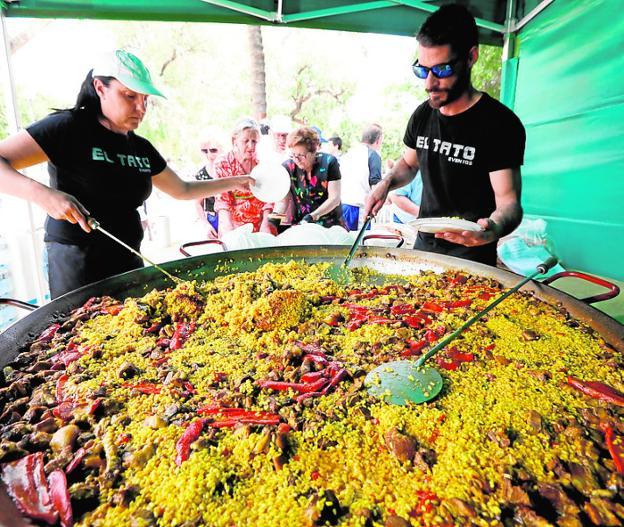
[(561, 74)]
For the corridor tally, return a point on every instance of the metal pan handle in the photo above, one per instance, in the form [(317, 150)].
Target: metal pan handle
[(18, 303), (396, 237), (614, 290), (184, 246)]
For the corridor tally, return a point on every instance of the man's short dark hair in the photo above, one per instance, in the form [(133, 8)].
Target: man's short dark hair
[(451, 24), (336, 141), (371, 133)]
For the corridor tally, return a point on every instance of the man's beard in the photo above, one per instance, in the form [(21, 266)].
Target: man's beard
[(454, 92)]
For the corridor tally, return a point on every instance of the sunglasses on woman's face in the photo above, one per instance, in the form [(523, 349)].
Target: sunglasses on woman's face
[(298, 157), (440, 71), (211, 150)]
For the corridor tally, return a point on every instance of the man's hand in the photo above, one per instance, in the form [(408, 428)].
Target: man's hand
[(377, 198), (491, 233), (62, 206)]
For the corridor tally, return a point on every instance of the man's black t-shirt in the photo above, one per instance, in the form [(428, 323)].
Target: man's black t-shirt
[(456, 155), (109, 173)]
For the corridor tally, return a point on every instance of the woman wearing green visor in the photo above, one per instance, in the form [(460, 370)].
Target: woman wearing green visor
[(100, 168)]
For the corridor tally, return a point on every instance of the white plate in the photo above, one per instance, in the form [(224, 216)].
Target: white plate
[(433, 225), (272, 182)]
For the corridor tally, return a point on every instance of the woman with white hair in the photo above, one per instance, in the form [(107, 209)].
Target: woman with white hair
[(238, 207), (98, 167)]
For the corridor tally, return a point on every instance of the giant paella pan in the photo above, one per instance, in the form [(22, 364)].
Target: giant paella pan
[(238, 399)]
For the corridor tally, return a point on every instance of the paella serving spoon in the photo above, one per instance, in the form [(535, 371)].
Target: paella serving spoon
[(95, 225), (404, 381)]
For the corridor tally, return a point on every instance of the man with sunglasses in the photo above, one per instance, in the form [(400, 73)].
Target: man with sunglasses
[(468, 146)]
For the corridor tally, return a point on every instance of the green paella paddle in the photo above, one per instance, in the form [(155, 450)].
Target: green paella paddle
[(404, 381)]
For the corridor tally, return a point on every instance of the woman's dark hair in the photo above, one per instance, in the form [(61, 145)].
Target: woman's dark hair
[(452, 24), (88, 101)]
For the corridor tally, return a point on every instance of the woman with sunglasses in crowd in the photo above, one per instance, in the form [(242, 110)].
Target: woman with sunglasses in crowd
[(210, 149), (468, 146), (98, 168), (314, 181), (236, 208)]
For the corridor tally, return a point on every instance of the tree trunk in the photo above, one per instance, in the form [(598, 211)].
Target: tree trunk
[(258, 75)]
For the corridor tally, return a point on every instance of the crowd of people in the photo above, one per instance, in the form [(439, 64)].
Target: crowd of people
[(452, 165)]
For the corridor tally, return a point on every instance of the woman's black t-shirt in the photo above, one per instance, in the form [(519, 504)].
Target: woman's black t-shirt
[(109, 173)]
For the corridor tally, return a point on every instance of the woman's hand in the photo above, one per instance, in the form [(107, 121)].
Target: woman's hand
[(62, 206)]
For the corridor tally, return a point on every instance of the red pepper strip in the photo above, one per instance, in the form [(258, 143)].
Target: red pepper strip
[(598, 390), (459, 279), (143, 387), (76, 460), (311, 376), (60, 497), (301, 387), (390, 288), (414, 321), (279, 385), (190, 435), (339, 376), (431, 336), (356, 323), (374, 319), (232, 412), (154, 328), (457, 303), (433, 307), (402, 309), (450, 365), (317, 359), (163, 342), (460, 356), (283, 428), (113, 310), (414, 348), (311, 348), (259, 421), (485, 296), (181, 334), (26, 484), (60, 385), (48, 334), (615, 447)]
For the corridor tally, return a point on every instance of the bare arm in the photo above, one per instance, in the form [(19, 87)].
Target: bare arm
[(22, 151), (170, 183), (505, 218), (401, 174), (332, 201), (406, 204)]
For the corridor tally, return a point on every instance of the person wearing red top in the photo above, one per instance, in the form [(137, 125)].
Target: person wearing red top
[(239, 207)]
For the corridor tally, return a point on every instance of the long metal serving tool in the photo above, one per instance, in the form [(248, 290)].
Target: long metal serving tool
[(404, 381), (357, 241), (95, 225)]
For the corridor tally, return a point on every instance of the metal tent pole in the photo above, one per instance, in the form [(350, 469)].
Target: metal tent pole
[(13, 126)]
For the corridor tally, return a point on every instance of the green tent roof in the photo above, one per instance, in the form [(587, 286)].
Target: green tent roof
[(397, 17)]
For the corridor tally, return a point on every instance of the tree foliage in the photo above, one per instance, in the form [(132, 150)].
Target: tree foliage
[(314, 76)]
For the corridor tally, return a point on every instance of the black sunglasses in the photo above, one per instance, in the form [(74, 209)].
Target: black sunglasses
[(211, 150), (440, 71)]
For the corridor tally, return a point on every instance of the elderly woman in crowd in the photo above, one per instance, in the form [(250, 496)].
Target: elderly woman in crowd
[(238, 207), (315, 181)]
